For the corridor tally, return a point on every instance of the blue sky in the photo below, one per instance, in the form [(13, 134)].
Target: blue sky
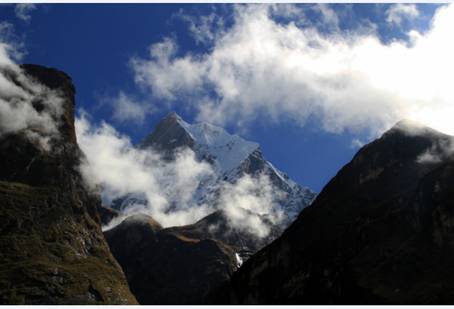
[(94, 44)]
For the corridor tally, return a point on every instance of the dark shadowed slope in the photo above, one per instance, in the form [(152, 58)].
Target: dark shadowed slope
[(381, 231), (217, 226), (52, 250), (164, 267)]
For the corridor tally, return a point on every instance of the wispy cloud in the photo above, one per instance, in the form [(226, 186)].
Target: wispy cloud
[(399, 12), (127, 108), (204, 29), (23, 11), (249, 203), (356, 143), (12, 48)]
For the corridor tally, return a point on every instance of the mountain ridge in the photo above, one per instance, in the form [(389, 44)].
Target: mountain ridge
[(166, 267), (380, 232)]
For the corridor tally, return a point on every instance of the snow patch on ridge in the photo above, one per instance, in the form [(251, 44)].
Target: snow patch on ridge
[(239, 260)]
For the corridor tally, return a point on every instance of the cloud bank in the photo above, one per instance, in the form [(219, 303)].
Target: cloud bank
[(260, 68)]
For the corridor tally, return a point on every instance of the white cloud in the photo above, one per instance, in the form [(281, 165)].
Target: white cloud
[(398, 12), (23, 11), (439, 152), (204, 29), (18, 93), (356, 143), (328, 16), (286, 10), (10, 48), (125, 108), (167, 76), (261, 69), (248, 201), (6, 30)]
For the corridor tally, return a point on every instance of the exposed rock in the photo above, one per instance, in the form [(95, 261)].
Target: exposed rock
[(168, 136), (52, 250)]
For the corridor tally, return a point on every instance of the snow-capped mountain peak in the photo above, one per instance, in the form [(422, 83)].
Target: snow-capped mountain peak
[(226, 151), (231, 157)]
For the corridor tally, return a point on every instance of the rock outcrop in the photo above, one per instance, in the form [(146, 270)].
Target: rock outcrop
[(164, 267), (52, 250)]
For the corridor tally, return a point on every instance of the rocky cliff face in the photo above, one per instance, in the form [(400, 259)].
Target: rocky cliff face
[(380, 232), (52, 250), (166, 267)]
